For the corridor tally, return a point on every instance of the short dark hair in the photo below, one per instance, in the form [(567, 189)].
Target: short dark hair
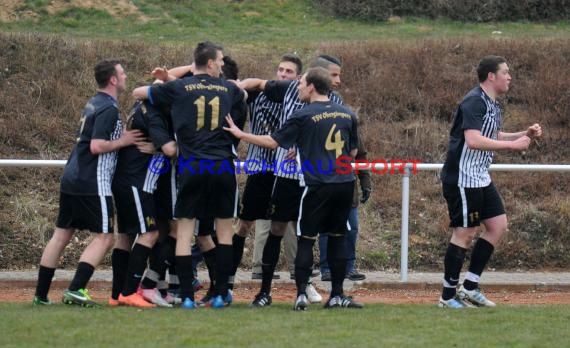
[(331, 59), (320, 78), (230, 70), (205, 51), (489, 64), (104, 70), (293, 58)]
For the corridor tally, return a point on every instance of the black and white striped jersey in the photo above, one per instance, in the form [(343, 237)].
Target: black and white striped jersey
[(86, 173), (287, 93), (264, 119), (465, 167)]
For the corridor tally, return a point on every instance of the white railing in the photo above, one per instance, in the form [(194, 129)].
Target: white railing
[(379, 167)]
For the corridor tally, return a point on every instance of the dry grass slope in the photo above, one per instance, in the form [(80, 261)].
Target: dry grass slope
[(405, 92)]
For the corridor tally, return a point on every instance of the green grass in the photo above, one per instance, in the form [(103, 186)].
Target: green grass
[(278, 24), (375, 326)]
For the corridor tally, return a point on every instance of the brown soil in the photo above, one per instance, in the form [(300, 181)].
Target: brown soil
[(11, 291)]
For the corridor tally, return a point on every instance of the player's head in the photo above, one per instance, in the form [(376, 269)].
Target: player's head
[(230, 70), (332, 64), (290, 67), (494, 72), (110, 72), (314, 81), (209, 56)]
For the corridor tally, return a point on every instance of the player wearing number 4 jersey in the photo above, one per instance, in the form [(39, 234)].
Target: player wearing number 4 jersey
[(324, 131), (198, 106), (471, 196)]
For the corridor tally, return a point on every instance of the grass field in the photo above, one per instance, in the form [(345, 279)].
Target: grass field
[(278, 326)]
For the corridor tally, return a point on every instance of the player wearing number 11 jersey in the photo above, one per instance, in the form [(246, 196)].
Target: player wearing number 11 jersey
[(198, 105)]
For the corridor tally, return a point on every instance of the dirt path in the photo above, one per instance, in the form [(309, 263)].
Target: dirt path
[(24, 291)]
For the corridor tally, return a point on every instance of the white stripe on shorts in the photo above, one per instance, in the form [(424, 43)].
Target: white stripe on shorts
[(301, 211), (463, 206), (138, 206), (104, 216)]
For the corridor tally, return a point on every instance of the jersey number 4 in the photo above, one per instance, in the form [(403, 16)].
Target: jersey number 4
[(334, 141), (214, 104)]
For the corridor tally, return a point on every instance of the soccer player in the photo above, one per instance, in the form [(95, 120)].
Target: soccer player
[(326, 134), (85, 194), (207, 186), (471, 196), (264, 119)]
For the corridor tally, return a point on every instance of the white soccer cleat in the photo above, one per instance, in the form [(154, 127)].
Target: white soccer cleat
[(312, 294)]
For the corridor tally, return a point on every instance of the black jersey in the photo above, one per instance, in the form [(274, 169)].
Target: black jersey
[(198, 106), (133, 167), (86, 173), (264, 119), (287, 93), (465, 167), (323, 132)]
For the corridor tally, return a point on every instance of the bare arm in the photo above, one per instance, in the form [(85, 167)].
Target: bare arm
[(141, 93), (252, 84), (99, 146), (533, 131), (260, 140), (165, 75), (476, 141)]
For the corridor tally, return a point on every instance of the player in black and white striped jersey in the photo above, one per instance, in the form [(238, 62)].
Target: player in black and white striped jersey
[(471, 197), (85, 197), (264, 119)]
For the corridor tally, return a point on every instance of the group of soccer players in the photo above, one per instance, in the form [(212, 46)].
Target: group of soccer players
[(193, 119)]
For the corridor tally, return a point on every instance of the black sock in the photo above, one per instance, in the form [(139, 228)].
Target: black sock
[(186, 276), (173, 280), (164, 256), (120, 263), (135, 270), (269, 260), (453, 261), (224, 257), (45, 276), (303, 264), (336, 255), (82, 275), (210, 261), (480, 255), (238, 243)]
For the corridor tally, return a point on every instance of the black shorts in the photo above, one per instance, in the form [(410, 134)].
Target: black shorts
[(467, 207), (165, 194), (136, 211), (207, 195), (204, 227), (285, 200), (257, 196), (93, 213), (325, 209)]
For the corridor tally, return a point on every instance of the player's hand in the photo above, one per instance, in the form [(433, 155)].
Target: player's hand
[(534, 131), (365, 195), (232, 128), (160, 73), (291, 153), (145, 147), (130, 137), (521, 143)]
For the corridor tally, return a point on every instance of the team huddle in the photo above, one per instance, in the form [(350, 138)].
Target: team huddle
[(195, 116)]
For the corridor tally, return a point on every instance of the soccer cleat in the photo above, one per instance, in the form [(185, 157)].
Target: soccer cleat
[(39, 302), (135, 300), (312, 294), (188, 303), (217, 302), (343, 301), (80, 297), (229, 298), (261, 300), (205, 300), (301, 303), (113, 303), (475, 297), (355, 276), (454, 302), (154, 296), (172, 299)]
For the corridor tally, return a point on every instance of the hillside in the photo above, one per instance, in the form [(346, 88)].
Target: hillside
[(405, 91)]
